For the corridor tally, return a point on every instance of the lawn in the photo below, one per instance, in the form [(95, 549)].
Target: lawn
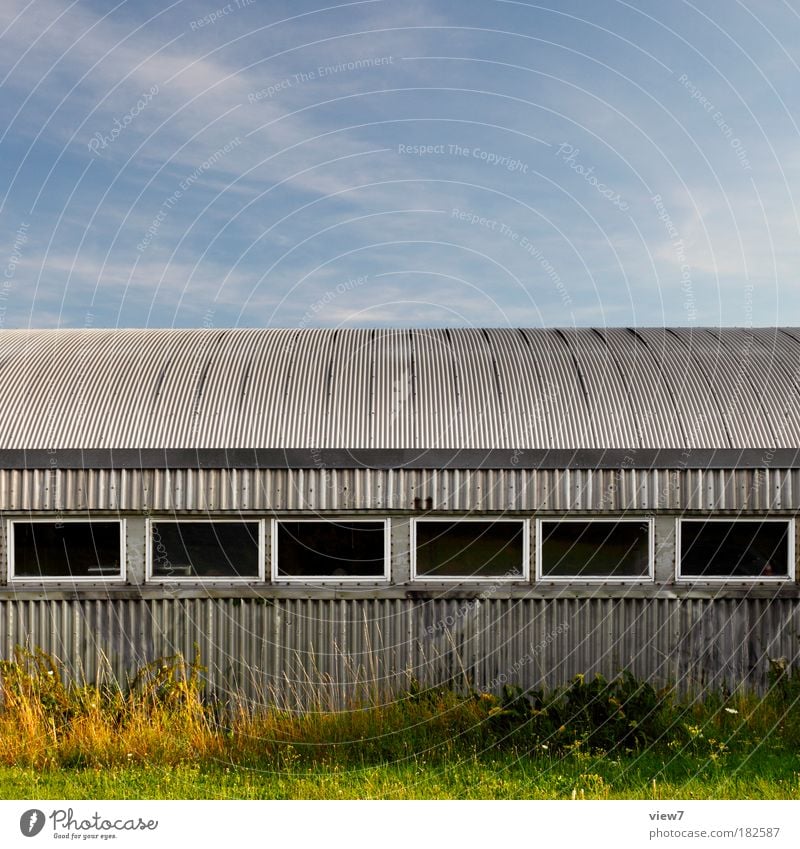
[(160, 738), (762, 775)]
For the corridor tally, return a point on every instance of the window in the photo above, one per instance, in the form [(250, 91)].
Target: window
[(464, 549), (595, 550), (735, 549), (206, 550), (336, 549), (66, 550)]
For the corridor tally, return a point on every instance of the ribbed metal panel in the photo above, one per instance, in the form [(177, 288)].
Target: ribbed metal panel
[(466, 388), (458, 490), (299, 650)]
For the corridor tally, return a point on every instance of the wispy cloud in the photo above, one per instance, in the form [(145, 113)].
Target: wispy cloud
[(246, 162)]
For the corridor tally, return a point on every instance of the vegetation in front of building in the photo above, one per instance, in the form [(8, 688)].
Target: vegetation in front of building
[(158, 737)]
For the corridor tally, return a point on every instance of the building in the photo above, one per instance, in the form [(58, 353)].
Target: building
[(321, 510)]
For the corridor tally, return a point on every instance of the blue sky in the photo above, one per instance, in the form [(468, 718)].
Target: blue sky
[(387, 163)]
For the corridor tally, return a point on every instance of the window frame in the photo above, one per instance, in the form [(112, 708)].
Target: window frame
[(649, 578), (524, 577), (275, 578), (150, 578), (791, 566), (13, 578)]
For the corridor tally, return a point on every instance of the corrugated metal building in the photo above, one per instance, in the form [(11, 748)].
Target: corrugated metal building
[(322, 510)]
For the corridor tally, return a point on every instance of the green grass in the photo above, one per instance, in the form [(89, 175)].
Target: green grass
[(594, 739), (763, 775)]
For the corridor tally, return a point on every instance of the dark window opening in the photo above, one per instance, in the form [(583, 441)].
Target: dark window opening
[(205, 549), (470, 549), (67, 550), (331, 549), (734, 549), (598, 549)]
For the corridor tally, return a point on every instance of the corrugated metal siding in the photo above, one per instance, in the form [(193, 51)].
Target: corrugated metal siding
[(345, 388), (605, 490), (302, 650)]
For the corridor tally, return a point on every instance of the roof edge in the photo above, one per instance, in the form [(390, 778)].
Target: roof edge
[(55, 459)]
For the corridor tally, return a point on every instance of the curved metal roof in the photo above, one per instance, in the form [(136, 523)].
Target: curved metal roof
[(412, 389)]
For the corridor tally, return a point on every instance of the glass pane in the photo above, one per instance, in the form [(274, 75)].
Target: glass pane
[(599, 549), (734, 549), (331, 549), (66, 549), (469, 549), (205, 549)]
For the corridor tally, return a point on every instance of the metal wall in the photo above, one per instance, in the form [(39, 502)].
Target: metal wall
[(211, 490), (326, 644), (329, 651)]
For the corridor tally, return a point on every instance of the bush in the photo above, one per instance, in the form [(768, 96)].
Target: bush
[(602, 715)]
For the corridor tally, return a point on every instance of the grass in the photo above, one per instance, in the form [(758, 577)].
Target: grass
[(158, 738), (765, 775)]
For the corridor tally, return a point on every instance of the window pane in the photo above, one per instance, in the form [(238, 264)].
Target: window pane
[(599, 549), (734, 549), (66, 549), (331, 549), (205, 549), (469, 549)]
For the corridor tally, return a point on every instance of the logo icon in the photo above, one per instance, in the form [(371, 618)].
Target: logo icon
[(31, 822)]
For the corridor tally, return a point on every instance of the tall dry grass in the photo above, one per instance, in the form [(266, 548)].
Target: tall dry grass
[(162, 717)]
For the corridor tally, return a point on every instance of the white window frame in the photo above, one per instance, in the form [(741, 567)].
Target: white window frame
[(65, 579), (598, 579), (523, 577), (195, 579), (331, 579), (733, 579)]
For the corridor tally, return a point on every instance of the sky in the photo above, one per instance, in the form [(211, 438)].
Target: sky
[(403, 163)]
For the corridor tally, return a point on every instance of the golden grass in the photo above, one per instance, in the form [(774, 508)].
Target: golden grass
[(163, 718)]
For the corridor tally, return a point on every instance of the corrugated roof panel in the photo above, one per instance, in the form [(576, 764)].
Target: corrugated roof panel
[(352, 402), (608, 389), (732, 371), (772, 372), (397, 393), (439, 421), (649, 395), (522, 388), (481, 412), (547, 410), (348, 388), (691, 388)]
